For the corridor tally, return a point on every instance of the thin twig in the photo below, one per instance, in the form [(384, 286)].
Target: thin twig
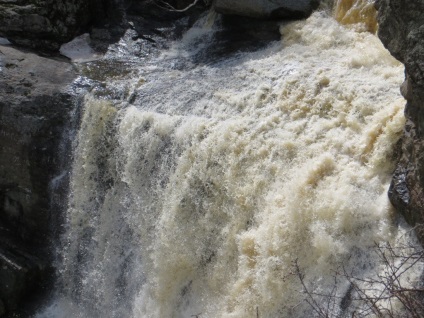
[(169, 7)]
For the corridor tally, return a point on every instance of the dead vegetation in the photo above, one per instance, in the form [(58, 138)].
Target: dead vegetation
[(178, 6), (388, 294)]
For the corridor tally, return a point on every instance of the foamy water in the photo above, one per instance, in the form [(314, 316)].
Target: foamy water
[(198, 198)]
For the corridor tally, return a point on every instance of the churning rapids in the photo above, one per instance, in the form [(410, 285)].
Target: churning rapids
[(194, 196)]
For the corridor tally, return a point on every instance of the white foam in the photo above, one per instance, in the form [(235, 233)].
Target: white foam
[(225, 174)]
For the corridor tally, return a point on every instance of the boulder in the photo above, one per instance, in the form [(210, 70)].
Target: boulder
[(401, 29), (278, 9)]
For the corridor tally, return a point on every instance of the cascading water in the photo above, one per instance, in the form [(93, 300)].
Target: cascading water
[(361, 13), (194, 196)]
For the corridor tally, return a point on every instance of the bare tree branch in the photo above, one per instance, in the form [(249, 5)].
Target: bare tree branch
[(167, 6), (375, 296)]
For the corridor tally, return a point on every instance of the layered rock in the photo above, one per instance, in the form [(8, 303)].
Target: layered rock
[(35, 108), (401, 29), (267, 9)]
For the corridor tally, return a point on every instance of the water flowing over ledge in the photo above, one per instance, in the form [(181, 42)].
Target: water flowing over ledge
[(197, 192)]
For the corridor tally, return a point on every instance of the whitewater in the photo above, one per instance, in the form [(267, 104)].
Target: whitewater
[(210, 184)]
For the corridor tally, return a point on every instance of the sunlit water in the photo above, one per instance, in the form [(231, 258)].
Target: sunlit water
[(197, 198)]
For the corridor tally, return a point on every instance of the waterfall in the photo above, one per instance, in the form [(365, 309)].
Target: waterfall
[(197, 193), (359, 12)]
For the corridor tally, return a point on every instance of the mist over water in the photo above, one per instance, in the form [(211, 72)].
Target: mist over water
[(197, 194)]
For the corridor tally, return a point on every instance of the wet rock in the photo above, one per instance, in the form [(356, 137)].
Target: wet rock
[(46, 24), (401, 29), (20, 271), (406, 89), (291, 9), (36, 106), (238, 34)]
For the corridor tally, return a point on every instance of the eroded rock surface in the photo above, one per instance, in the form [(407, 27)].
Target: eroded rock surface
[(401, 29)]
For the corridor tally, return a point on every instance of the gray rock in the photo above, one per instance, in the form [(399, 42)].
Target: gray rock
[(36, 105), (267, 8), (401, 29)]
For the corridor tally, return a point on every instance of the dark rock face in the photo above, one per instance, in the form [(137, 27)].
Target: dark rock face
[(267, 9), (35, 108), (20, 271), (401, 29), (46, 24)]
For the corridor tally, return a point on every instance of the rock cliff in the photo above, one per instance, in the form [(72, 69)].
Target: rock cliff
[(35, 109), (401, 29)]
